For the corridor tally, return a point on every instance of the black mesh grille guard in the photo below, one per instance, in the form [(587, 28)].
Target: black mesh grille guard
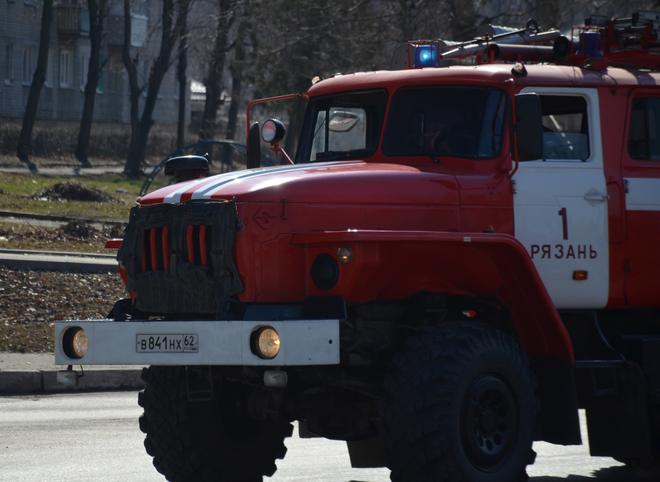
[(183, 286)]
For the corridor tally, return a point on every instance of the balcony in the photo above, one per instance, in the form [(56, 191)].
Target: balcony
[(115, 30), (72, 19)]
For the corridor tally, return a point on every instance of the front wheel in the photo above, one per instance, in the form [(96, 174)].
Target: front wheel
[(460, 406), (203, 441)]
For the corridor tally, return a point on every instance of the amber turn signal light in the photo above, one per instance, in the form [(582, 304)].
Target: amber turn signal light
[(580, 275)]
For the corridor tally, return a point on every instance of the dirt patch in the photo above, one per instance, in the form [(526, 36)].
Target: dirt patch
[(80, 230), (71, 191), (73, 236), (30, 301)]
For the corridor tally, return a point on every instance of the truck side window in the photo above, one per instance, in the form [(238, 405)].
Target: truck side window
[(644, 131), (565, 127), (342, 126)]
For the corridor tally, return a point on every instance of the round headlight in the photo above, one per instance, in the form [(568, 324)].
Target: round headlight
[(273, 131), (75, 343), (266, 342)]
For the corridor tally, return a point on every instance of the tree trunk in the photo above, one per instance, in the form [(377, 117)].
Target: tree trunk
[(132, 167), (181, 75), (547, 14), (38, 79), (236, 79), (463, 20), (97, 11), (140, 136), (213, 81)]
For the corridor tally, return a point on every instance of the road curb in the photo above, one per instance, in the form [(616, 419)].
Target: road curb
[(55, 217), (47, 381), (78, 263)]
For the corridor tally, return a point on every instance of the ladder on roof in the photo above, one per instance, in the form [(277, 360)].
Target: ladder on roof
[(632, 42)]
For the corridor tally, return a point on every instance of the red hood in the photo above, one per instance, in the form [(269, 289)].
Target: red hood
[(345, 182)]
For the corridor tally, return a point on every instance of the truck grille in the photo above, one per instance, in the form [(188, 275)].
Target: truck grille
[(156, 251), (179, 258)]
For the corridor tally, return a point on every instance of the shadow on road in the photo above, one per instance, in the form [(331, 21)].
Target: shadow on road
[(609, 474)]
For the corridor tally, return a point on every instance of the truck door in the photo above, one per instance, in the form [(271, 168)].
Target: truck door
[(560, 201), (641, 174)]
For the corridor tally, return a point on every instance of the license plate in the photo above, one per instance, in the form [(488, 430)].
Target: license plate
[(167, 343)]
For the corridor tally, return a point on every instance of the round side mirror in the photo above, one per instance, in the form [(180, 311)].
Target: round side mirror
[(273, 131)]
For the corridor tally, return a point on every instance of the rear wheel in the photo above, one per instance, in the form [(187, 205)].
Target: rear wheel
[(212, 440), (460, 406)]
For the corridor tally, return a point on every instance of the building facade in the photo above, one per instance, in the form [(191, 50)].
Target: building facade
[(62, 95)]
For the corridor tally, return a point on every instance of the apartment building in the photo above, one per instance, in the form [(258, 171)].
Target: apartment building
[(62, 96)]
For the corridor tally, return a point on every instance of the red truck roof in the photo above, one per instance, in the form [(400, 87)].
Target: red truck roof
[(537, 74)]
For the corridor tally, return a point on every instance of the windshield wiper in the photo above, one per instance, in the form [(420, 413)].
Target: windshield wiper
[(432, 154)]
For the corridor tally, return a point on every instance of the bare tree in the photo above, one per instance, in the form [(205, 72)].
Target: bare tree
[(236, 68), (38, 79), (97, 13), (463, 25), (547, 12), (141, 123), (213, 81), (182, 77), (134, 88)]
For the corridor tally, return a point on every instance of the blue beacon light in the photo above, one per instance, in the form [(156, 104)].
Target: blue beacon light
[(426, 56)]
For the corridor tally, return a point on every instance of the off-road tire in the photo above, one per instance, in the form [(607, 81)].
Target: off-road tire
[(205, 441), (439, 382)]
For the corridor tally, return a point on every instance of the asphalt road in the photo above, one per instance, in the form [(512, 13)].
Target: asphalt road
[(85, 437)]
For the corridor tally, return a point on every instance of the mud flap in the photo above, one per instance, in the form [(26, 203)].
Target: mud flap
[(367, 453), (615, 397)]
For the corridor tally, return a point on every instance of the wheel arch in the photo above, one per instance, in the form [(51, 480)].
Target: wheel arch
[(476, 264)]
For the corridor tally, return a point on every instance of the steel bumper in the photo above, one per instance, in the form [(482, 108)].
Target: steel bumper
[(303, 342)]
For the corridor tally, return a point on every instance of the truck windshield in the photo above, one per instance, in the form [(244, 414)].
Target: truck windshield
[(344, 126), (447, 121)]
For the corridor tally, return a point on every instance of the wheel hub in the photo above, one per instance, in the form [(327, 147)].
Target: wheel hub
[(489, 422)]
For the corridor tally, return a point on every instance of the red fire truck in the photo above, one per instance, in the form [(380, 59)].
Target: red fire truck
[(459, 256)]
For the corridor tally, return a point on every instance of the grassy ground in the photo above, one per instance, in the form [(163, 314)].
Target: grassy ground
[(20, 193), (30, 301)]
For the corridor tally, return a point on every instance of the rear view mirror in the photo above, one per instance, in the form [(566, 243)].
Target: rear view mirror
[(184, 168), (254, 146), (529, 127), (343, 121)]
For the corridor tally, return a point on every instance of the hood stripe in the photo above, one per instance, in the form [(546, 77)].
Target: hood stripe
[(206, 192), (174, 197)]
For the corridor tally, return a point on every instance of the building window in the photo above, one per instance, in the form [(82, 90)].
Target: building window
[(139, 7), (84, 66), (50, 70), (9, 62), (100, 87), (28, 64), (66, 68)]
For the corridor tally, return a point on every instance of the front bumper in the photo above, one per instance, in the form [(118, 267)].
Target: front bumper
[(303, 342)]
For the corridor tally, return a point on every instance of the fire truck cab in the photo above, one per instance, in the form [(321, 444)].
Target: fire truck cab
[(461, 255)]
